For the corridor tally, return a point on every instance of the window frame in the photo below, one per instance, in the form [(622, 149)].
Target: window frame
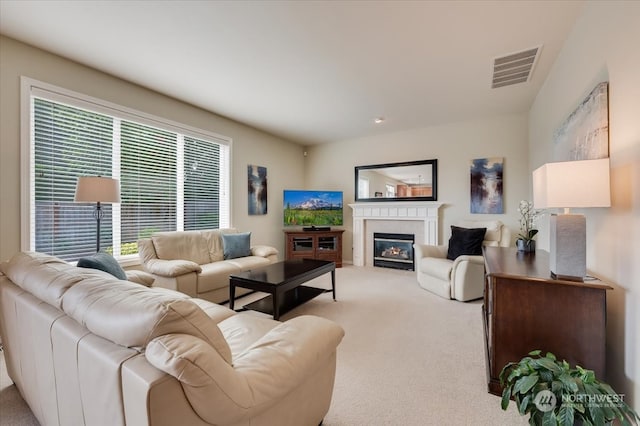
[(30, 87)]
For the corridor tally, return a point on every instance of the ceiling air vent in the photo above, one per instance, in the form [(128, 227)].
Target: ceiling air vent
[(514, 68)]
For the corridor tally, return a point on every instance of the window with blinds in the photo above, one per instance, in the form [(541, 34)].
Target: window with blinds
[(169, 180)]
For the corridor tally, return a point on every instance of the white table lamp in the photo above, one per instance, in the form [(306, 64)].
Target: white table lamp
[(97, 189), (570, 184)]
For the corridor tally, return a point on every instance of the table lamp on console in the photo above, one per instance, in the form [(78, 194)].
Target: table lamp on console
[(570, 184), (97, 189)]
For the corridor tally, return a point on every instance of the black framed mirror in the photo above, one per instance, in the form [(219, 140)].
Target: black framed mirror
[(408, 181)]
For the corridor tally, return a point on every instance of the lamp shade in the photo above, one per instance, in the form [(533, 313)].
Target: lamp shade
[(571, 184), (97, 189)]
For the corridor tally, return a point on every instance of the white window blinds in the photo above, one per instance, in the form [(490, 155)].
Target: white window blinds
[(148, 182), (68, 142), (169, 179), (201, 184)]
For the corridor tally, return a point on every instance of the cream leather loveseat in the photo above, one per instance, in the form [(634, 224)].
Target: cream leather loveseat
[(84, 348), (193, 263)]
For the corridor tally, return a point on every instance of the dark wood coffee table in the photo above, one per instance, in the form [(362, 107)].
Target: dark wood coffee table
[(282, 280)]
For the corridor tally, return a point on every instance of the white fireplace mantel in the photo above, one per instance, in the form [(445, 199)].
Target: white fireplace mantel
[(425, 211)]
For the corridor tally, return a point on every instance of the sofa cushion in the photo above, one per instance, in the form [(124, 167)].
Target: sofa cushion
[(214, 311), (44, 276), (123, 312), (243, 330), (276, 365), (214, 242), (465, 241), (248, 262), (263, 251), (236, 245), (186, 245), (199, 324), (104, 262), (215, 276), (132, 315)]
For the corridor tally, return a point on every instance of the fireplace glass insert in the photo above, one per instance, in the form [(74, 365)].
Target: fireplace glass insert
[(393, 251)]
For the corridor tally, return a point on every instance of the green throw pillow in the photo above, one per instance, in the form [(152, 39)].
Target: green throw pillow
[(236, 245), (104, 262)]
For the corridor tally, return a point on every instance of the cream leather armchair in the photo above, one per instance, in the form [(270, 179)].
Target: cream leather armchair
[(463, 278)]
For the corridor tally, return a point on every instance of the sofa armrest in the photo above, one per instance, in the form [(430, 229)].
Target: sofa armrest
[(263, 251), (467, 278), (171, 268), (262, 375), (140, 277), (479, 260), (425, 250)]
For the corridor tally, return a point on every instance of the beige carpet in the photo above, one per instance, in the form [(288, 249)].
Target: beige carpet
[(408, 357)]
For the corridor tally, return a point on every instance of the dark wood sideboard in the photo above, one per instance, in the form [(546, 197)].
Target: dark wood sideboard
[(525, 309)]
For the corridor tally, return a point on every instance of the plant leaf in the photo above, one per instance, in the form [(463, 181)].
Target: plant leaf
[(507, 368), (586, 422), (537, 352), (596, 415), (522, 408), (565, 415), (569, 382), (525, 383), (550, 365), (609, 413), (506, 398), (587, 376), (546, 376), (549, 418)]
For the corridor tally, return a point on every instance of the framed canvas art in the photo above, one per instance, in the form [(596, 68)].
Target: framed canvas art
[(486, 185), (584, 135), (257, 189)]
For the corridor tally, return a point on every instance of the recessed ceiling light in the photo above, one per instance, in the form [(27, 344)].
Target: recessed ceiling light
[(378, 120)]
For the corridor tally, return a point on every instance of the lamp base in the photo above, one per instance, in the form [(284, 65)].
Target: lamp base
[(568, 247)]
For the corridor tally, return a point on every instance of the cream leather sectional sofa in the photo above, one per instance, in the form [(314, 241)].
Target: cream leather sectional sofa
[(192, 262), (85, 348)]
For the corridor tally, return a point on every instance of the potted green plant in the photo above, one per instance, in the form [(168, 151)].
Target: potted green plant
[(553, 393), (528, 231)]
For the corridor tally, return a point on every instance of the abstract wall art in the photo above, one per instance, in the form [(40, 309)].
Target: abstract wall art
[(257, 189), (486, 185), (584, 135)]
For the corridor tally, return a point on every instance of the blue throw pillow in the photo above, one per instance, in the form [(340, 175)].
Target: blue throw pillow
[(236, 245), (104, 262)]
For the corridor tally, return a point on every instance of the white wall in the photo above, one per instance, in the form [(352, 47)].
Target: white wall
[(604, 45), (283, 159), (331, 166)]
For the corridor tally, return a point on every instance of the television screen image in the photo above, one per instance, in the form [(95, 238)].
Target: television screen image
[(312, 208)]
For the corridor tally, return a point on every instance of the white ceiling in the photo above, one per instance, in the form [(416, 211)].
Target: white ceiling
[(309, 71)]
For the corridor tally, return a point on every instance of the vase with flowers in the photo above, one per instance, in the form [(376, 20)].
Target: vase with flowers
[(528, 231)]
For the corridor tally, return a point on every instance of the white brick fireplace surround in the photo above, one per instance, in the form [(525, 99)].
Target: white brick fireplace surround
[(423, 212)]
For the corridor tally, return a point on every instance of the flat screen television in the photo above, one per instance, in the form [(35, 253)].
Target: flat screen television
[(312, 208)]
